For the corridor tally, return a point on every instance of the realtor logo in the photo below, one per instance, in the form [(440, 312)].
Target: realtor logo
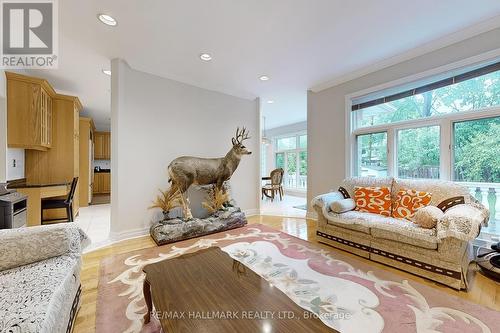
[(29, 38)]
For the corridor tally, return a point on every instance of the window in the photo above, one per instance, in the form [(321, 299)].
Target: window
[(263, 160), (418, 152), (291, 155), (372, 155), (476, 150), (280, 160), (287, 143), (303, 141), (468, 94), (446, 129), (302, 170)]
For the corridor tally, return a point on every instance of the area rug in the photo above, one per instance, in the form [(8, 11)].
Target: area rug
[(347, 294)]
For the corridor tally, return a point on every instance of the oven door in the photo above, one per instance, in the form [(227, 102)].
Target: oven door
[(19, 219)]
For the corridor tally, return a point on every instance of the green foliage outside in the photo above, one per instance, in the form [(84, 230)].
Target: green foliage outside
[(477, 151), (303, 163), (291, 163), (280, 160), (476, 142)]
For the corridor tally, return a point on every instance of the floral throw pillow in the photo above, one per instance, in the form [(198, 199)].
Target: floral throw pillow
[(408, 201), (375, 200)]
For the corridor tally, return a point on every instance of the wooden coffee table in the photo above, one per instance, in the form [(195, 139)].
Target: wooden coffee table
[(208, 291)]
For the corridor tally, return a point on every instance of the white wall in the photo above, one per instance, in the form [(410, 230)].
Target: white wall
[(326, 109), (3, 128), (103, 164), (15, 163), (154, 120)]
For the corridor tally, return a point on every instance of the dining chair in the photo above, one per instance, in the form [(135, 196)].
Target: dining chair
[(57, 203), (276, 185)]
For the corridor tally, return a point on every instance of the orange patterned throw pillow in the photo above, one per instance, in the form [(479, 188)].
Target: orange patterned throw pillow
[(375, 200), (407, 203)]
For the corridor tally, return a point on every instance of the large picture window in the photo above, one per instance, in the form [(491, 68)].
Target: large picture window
[(476, 150), (418, 152), (475, 93), (372, 155), (446, 129), (291, 155)]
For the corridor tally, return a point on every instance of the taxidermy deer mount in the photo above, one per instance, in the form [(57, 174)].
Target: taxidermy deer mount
[(187, 170)]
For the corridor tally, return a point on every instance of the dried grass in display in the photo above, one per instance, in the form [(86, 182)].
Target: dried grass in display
[(216, 199), (168, 200)]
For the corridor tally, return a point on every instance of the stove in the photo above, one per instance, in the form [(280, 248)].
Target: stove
[(13, 213)]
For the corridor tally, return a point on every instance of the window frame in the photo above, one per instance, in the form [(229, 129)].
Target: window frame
[(445, 121), (356, 166), (297, 150)]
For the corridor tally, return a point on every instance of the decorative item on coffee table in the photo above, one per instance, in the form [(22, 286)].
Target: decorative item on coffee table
[(210, 175)]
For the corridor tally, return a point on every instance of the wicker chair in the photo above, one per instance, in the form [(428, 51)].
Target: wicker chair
[(269, 190)]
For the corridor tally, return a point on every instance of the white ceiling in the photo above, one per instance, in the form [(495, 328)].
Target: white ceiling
[(298, 43)]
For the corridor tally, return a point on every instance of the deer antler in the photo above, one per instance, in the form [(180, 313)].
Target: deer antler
[(240, 136)]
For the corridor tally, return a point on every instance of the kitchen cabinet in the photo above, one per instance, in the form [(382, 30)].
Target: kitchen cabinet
[(102, 146), (102, 183), (60, 163), (29, 112)]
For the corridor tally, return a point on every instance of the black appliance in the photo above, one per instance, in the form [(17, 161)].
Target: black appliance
[(490, 261)]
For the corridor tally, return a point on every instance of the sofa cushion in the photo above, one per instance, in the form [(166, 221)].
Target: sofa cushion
[(342, 206), (373, 199), (427, 217), (403, 231), (350, 183), (408, 201), (38, 297), (440, 189), (353, 220)]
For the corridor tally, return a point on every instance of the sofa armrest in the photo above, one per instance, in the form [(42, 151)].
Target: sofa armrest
[(23, 246), (463, 221)]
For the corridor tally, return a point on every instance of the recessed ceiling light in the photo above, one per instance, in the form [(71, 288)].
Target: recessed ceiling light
[(264, 78), (107, 72), (205, 57), (270, 102), (106, 19)]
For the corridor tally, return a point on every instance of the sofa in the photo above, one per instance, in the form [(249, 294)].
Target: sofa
[(40, 278), (441, 253)]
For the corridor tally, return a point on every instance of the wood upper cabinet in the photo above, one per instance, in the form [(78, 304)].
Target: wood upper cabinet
[(29, 112), (60, 163), (102, 146)]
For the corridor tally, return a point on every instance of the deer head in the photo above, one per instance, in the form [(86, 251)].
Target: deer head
[(237, 141)]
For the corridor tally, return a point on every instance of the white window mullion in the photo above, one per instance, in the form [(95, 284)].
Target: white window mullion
[(445, 149), (391, 153)]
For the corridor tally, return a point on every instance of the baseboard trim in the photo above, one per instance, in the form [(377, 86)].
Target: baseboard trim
[(251, 212), (123, 235)]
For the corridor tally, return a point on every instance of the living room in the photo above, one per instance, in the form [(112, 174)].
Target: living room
[(300, 166)]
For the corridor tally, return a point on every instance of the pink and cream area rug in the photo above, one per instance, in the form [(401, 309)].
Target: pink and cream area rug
[(348, 294)]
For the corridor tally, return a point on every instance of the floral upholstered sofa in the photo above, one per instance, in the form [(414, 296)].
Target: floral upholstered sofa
[(441, 253), (40, 278)]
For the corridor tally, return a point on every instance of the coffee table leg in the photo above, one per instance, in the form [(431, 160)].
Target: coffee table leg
[(146, 290)]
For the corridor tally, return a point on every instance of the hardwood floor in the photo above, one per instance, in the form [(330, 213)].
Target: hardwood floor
[(483, 290)]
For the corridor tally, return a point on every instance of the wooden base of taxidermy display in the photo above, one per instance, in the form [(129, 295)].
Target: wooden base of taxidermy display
[(209, 174)]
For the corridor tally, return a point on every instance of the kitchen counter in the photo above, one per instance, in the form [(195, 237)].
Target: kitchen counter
[(36, 193), (16, 185)]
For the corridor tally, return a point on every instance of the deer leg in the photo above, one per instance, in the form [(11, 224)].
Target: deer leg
[(183, 187)]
